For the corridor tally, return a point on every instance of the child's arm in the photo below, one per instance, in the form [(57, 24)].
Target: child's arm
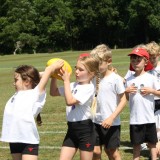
[(53, 88), (70, 100), (147, 90), (47, 73), (107, 123)]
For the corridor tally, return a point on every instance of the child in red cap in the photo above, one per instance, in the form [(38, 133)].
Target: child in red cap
[(141, 88)]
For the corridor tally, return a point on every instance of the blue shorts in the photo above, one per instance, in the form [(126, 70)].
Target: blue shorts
[(80, 135), (108, 137), (24, 148)]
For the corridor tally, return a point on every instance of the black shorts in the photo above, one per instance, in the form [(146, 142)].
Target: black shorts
[(157, 105), (108, 137), (24, 148), (143, 133), (80, 135)]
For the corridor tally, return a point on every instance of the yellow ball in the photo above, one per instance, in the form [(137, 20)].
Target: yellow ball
[(65, 67)]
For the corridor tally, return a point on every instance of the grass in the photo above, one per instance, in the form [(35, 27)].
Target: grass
[(54, 126)]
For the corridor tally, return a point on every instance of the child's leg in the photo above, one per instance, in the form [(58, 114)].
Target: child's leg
[(67, 153), (17, 156), (153, 151), (158, 148), (97, 153), (86, 155), (136, 152), (112, 143), (29, 157), (113, 154)]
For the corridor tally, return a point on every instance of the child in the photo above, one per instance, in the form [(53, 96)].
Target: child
[(78, 96), (110, 102), (129, 72), (154, 52), (19, 127), (141, 88)]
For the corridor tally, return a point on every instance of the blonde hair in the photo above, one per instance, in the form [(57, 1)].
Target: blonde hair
[(153, 48), (90, 63), (140, 46), (103, 53)]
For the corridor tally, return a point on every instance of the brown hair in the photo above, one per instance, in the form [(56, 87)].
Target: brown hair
[(29, 73)]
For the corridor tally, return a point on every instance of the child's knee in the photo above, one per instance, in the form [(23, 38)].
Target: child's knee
[(97, 153)]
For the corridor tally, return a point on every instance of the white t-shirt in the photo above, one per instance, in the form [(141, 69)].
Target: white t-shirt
[(156, 72), (142, 107), (84, 94), (107, 99), (18, 120), (128, 74)]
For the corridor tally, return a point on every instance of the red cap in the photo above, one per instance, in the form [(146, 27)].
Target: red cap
[(83, 55), (142, 53)]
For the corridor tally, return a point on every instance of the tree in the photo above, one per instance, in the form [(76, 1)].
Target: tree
[(53, 21), (144, 20), (19, 19)]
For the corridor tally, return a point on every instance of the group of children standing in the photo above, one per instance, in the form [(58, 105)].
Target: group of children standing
[(93, 105)]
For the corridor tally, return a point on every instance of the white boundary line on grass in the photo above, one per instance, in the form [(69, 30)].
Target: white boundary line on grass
[(63, 132), (57, 147)]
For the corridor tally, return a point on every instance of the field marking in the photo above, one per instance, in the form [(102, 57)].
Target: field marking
[(64, 132), (64, 114), (57, 147)]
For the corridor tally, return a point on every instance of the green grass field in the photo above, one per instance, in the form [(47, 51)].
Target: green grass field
[(54, 125)]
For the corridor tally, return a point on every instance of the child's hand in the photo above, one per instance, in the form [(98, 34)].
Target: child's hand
[(131, 89), (107, 123), (65, 74), (58, 64), (146, 90)]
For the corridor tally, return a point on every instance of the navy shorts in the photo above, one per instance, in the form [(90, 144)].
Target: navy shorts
[(80, 135), (143, 133), (108, 137), (24, 148)]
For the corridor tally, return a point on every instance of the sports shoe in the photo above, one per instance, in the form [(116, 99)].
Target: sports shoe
[(144, 146)]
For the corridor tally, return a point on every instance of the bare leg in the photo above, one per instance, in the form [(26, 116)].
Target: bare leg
[(29, 157), (113, 154), (67, 153), (136, 152), (97, 153), (86, 155), (153, 151)]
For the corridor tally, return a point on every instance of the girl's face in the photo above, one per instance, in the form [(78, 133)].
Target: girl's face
[(103, 67), (82, 74), (20, 84), (154, 60), (138, 63)]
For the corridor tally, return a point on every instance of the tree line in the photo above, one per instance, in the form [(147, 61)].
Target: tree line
[(57, 25)]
